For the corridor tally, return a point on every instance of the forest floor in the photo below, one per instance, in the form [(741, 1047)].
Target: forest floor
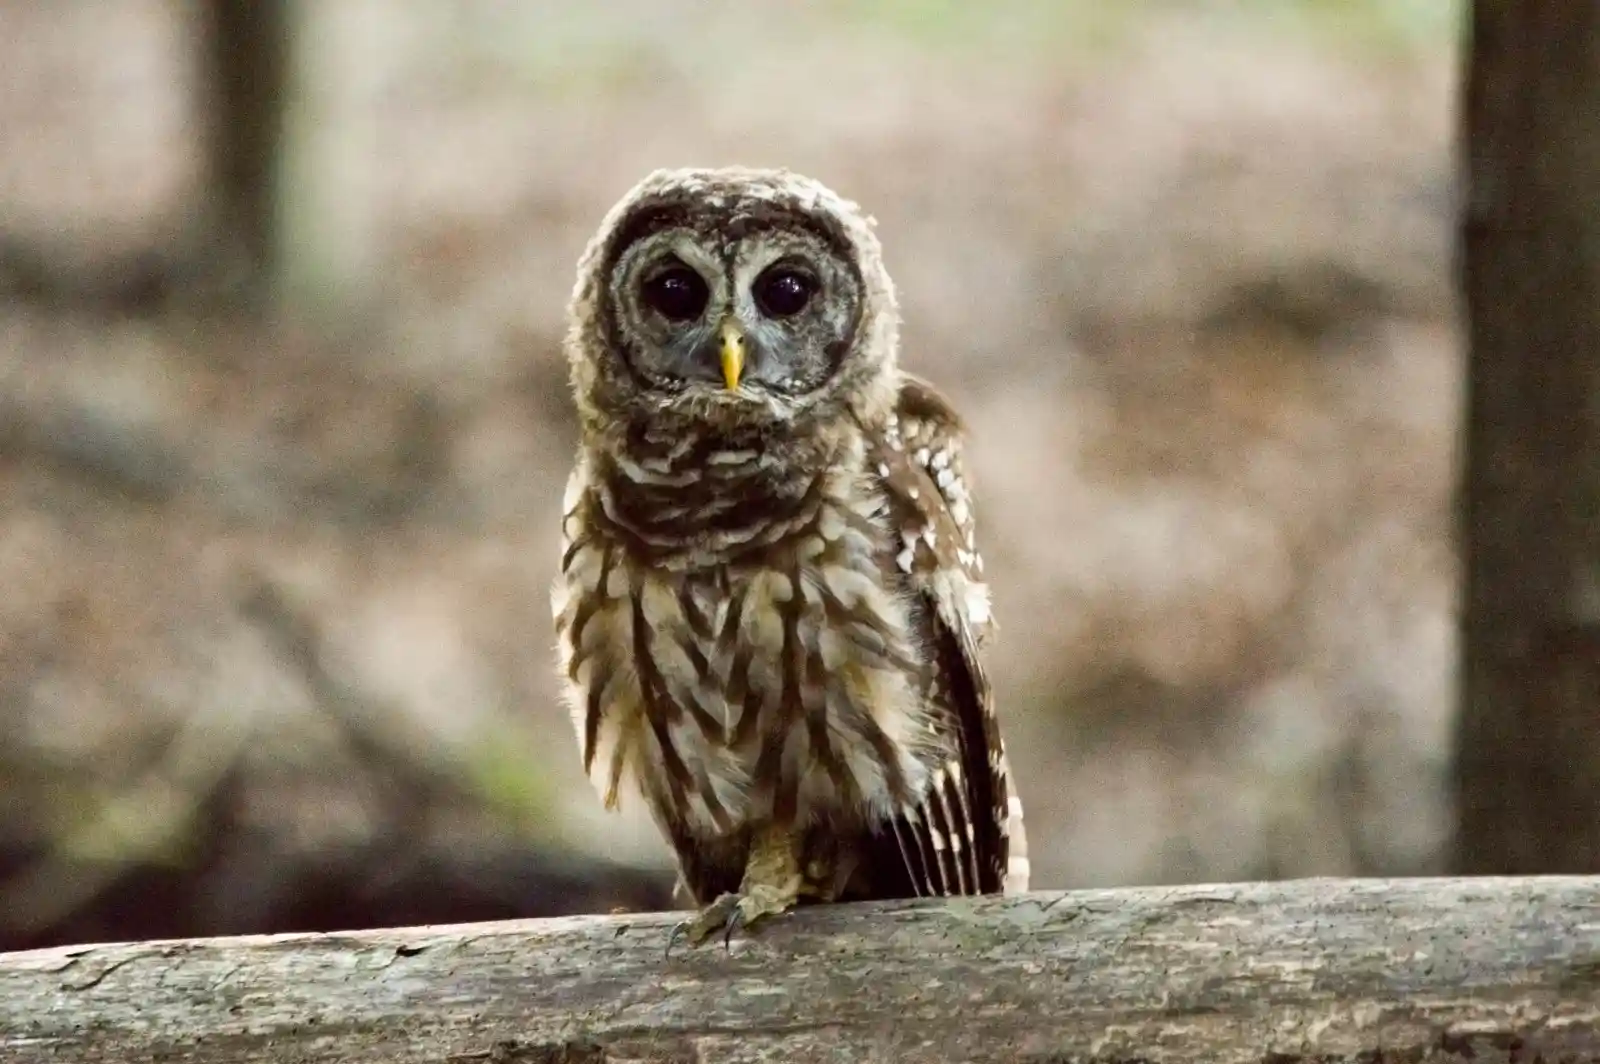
[(275, 644)]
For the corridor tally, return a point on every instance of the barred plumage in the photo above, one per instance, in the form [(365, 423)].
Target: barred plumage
[(771, 606)]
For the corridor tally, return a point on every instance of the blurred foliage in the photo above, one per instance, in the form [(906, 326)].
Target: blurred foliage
[(567, 49), (1184, 265), (1384, 25)]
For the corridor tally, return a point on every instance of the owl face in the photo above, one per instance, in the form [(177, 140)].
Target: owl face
[(731, 296), (703, 305)]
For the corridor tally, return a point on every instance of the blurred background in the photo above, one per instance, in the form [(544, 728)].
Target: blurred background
[(284, 425)]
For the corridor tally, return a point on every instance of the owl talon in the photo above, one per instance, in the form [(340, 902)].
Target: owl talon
[(731, 912), (698, 928), (735, 919)]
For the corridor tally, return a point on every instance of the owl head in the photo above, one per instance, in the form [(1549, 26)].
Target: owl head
[(732, 298)]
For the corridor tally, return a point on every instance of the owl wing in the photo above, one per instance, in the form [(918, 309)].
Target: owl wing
[(965, 836)]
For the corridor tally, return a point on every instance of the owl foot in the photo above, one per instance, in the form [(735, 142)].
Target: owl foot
[(729, 912)]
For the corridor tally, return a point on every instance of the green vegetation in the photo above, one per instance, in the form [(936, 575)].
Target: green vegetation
[(585, 48)]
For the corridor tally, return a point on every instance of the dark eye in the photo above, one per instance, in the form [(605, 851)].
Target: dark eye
[(676, 293), (782, 291)]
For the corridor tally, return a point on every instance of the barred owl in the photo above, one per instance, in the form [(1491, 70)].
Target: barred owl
[(770, 607)]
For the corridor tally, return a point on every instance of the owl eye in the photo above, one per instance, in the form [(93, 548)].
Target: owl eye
[(783, 291), (676, 293)]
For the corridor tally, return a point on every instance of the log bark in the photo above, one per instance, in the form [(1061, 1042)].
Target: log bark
[(1315, 970)]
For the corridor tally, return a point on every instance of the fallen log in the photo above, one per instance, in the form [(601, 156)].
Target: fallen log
[(1504, 969)]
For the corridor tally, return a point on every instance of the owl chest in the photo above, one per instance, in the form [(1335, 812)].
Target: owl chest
[(788, 689), (773, 667), (812, 690)]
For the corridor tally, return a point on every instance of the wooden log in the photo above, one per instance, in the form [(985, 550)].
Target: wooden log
[(1503, 969)]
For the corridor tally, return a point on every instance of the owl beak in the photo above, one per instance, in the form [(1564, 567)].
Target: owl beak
[(732, 354)]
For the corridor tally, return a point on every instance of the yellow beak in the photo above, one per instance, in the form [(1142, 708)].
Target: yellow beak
[(732, 354)]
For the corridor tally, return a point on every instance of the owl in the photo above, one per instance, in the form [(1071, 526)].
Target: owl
[(770, 612)]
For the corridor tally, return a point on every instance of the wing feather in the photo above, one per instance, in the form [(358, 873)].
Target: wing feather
[(967, 827)]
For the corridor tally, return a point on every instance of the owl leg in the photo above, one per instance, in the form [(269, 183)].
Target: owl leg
[(774, 882)]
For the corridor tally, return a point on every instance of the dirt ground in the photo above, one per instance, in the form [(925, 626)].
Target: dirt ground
[(275, 594)]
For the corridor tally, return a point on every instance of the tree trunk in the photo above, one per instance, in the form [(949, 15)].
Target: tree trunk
[(245, 64), (1528, 743)]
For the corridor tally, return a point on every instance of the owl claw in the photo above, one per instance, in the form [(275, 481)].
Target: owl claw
[(700, 927), (730, 912), (736, 920)]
